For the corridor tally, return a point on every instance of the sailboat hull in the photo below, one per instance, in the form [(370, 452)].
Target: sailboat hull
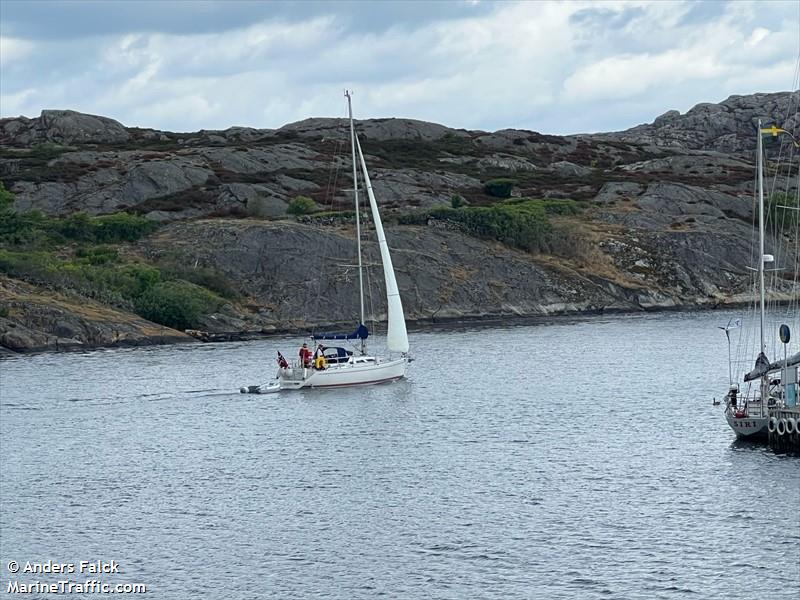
[(749, 428), (344, 375)]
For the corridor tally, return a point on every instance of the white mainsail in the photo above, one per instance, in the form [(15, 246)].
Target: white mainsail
[(396, 335)]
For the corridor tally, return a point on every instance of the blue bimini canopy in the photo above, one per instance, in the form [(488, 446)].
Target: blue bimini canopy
[(360, 333), (336, 355)]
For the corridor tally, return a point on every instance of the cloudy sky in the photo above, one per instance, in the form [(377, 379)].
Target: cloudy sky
[(555, 67)]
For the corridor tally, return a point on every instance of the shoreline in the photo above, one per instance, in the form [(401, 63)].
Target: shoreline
[(440, 323)]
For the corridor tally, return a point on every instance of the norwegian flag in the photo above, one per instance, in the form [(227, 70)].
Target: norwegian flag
[(282, 362)]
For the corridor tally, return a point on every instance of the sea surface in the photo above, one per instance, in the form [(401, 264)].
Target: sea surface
[(574, 459)]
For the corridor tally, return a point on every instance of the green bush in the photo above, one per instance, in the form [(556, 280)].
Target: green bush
[(552, 206), (301, 205), (24, 229), (97, 255), (521, 225), (74, 227), (174, 268), (457, 201), (118, 227), (47, 150), (782, 217), (176, 304), (128, 281), (22, 264), (499, 188), (121, 227), (6, 198), (38, 248), (93, 273), (34, 228)]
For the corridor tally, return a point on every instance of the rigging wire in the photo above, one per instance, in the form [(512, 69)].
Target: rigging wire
[(786, 247), (329, 195)]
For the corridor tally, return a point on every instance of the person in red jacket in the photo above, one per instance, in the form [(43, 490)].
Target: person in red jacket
[(305, 355)]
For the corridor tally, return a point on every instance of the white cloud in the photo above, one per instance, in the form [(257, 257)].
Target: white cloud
[(625, 76), (758, 35), (553, 66), (16, 104), (13, 49), (703, 55)]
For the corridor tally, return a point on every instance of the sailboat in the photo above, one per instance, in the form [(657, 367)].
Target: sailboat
[(335, 366), (748, 413)]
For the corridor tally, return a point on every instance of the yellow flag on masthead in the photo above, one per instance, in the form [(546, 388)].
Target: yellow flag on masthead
[(774, 131)]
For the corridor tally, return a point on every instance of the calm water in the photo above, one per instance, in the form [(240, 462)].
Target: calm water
[(578, 459)]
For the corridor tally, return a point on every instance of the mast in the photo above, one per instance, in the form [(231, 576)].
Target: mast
[(358, 219), (760, 162)]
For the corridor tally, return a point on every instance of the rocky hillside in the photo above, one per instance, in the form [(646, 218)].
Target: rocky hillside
[(658, 216)]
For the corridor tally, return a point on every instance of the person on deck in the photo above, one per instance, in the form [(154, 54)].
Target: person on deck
[(319, 357), (305, 355)]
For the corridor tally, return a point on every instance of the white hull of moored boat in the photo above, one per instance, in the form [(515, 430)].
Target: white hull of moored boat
[(750, 428), (343, 375)]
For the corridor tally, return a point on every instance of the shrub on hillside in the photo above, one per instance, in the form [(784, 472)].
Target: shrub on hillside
[(97, 255), (499, 188), (301, 205), (121, 227), (129, 281), (521, 225), (118, 227), (34, 228), (457, 201), (176, 304), (6, 198), (26, 264), (552, 206), (175, 267), (784, 210)]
